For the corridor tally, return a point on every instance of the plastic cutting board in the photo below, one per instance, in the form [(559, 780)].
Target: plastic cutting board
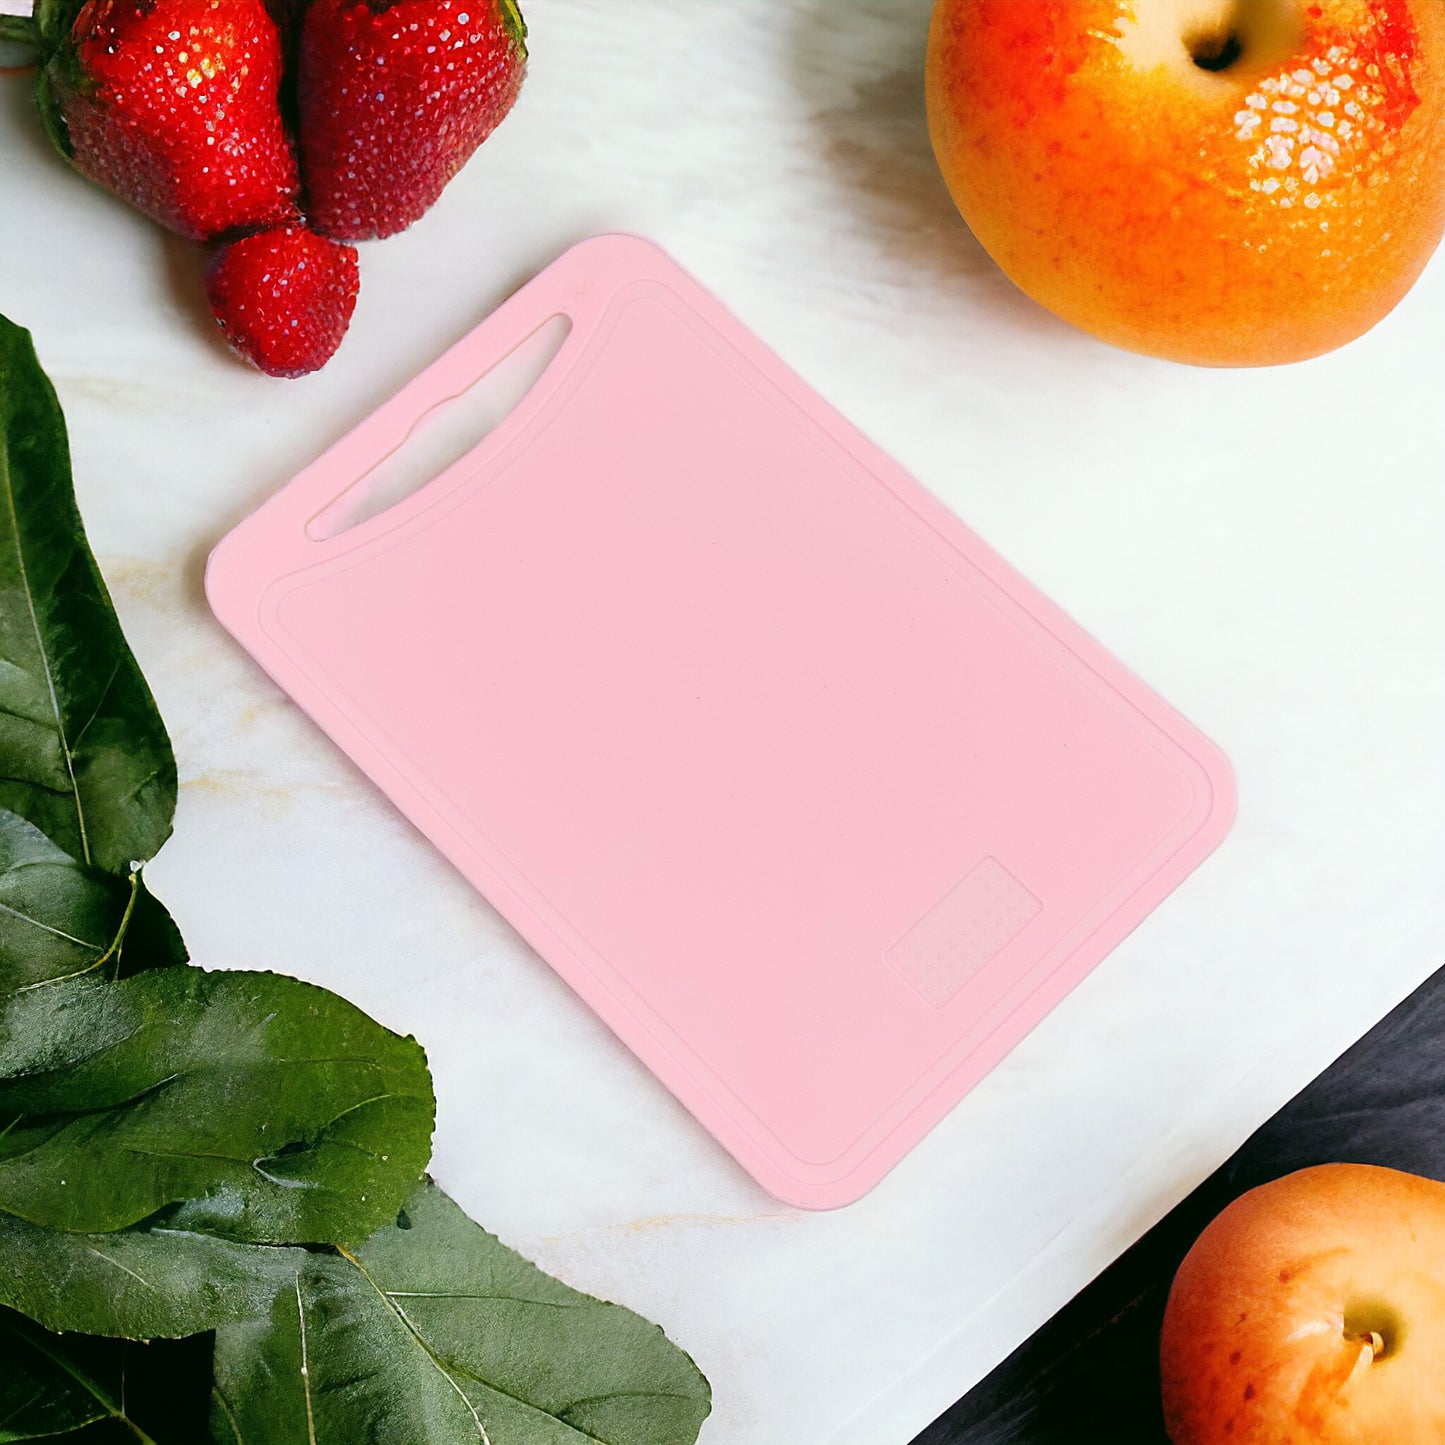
[(810, 796)]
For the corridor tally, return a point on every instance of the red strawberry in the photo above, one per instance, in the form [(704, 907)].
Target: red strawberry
[(172, 104), (394, 96), (284, 298)]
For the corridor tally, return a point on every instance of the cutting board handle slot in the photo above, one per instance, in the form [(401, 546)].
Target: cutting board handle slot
[(447, 431)]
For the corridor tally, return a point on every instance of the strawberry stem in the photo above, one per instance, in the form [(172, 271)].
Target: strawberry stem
[(515, 25)]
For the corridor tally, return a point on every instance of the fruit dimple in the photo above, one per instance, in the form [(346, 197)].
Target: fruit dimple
[(1216, 52)]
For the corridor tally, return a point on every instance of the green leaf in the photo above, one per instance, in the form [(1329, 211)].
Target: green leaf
[(59, 919), (83, 752), (43, 1391), (434, 1333), (149, 1282), (125, 1392), (265, 1108)]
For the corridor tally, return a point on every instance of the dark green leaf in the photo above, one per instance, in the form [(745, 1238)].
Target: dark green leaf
[(83, 752), (166, 1392), (52, 1385), (437, 1334), (267, 1109), (126, 1392), (59, 919), (148, 1282), (46, 1389)]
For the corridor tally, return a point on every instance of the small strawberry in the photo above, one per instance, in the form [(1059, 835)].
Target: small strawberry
[(172, 104), (284, 297), (394, 96)]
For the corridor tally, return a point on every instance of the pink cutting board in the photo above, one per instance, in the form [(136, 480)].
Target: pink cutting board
[(814, 800)]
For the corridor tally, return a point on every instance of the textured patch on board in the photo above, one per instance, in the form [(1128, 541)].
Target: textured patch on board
[(970, 925)]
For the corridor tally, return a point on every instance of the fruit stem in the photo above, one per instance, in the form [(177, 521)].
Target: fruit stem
[(516, 26), (1373, 1338)]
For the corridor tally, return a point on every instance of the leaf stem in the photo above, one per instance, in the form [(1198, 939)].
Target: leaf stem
[(115, 944), (136, 1430), (112, 952)]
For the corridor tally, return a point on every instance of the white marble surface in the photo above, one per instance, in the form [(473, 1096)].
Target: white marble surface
[(1265, 548)]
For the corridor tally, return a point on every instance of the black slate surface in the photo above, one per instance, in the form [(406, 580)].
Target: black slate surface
[(1091, 1374)]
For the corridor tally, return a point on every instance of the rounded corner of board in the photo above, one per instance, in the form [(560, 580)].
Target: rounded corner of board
[(1221, 803), (223, 583), (816, 1195), (617, 251)]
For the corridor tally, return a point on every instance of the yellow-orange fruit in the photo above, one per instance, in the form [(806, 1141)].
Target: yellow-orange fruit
[(1312, 1312), (1225, 182)]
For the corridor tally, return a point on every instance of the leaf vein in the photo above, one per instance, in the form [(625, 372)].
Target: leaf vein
[(231, 1420), (45, 662), (422, 1344), (305, 1364), (35, 783), (100, 1254), (47, 927), (100, 702), (498, 1298)]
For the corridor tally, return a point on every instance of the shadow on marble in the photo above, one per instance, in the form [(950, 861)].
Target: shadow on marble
[(193, 585), (859, 72), (184, 263), (21, 119)]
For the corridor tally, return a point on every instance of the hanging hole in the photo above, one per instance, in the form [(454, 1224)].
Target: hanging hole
[(444, 434)]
